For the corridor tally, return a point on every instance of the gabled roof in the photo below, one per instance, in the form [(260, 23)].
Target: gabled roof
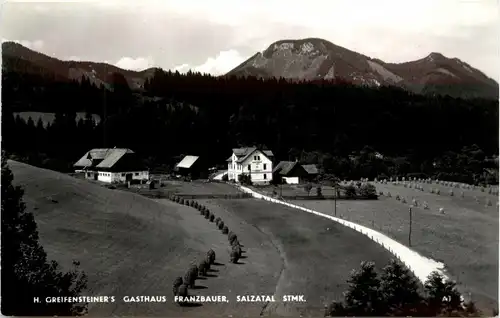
[(109, 157), (187, 162), (284, 167), (311, 169), (243, 153)]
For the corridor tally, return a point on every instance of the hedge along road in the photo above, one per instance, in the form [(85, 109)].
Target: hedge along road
[(317, 255), (421, 266)]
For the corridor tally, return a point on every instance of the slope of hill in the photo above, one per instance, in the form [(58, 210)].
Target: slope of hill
[(129, 245), (21, 59), (313, 59)]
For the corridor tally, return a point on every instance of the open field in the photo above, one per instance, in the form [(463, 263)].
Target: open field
[(469, 194), (131, 245), (318, 254), (197, 187), (465, 238), (293, 190), (48, 118)]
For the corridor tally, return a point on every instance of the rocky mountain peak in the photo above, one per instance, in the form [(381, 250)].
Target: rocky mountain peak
[(315, 58)]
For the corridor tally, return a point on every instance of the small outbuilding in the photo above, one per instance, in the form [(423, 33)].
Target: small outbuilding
[(312, 172), (290, 172), (192, 167)]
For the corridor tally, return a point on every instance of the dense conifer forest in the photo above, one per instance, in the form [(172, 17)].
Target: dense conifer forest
[(339, 126)]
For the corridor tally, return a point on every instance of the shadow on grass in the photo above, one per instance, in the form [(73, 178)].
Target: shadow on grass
[(243, 257), (218, 264), (201, 277), (211, 275), (199, 287), (213, 270), (239, 263)]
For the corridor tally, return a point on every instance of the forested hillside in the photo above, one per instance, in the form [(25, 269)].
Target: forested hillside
[(335, 124)]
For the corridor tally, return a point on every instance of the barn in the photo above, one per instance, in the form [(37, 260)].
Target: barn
[(290, 172), (112, 165), (192, 167), (312, 172)]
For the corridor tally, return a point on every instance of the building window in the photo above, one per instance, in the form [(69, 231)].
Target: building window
[(258, 157), (123, 175), (248, 167), (265, 176), (264, 167), (137, 173)]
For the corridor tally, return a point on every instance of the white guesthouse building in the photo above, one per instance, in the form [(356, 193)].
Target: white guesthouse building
[(251, 161), (112, 165)]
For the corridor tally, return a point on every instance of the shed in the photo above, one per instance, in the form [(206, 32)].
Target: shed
[(289, 171), (312, 171), (193, 167)]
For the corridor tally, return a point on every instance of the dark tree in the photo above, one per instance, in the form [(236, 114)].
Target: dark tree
[(26, 272)]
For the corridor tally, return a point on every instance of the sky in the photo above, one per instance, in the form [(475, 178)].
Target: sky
[(215, 36)]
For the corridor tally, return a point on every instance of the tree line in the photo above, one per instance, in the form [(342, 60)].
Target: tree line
[(348, 130)]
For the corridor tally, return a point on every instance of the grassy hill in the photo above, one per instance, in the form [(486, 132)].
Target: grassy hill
[(131, 245), (126, 243)]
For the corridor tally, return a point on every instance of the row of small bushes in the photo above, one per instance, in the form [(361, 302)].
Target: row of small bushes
[(180, 286)]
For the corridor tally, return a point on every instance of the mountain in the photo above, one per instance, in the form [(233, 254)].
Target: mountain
[(313, 59), (16, 57), (306, 59)]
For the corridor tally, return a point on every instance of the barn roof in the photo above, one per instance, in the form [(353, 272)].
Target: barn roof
[(109, 157), (284, 167), (187, 162), (311, 169)]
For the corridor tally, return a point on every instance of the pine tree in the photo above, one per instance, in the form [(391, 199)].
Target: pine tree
[(399, 290), (363, 296), (26, 273)]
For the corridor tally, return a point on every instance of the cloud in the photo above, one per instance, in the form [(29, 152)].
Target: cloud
[(207, 35), (135, 64), (221, 64)]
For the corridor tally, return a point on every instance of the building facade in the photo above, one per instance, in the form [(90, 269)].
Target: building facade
[(254, 162), (112, 165)]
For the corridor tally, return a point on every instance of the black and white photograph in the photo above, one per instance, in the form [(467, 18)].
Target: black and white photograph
[(250, 158)]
